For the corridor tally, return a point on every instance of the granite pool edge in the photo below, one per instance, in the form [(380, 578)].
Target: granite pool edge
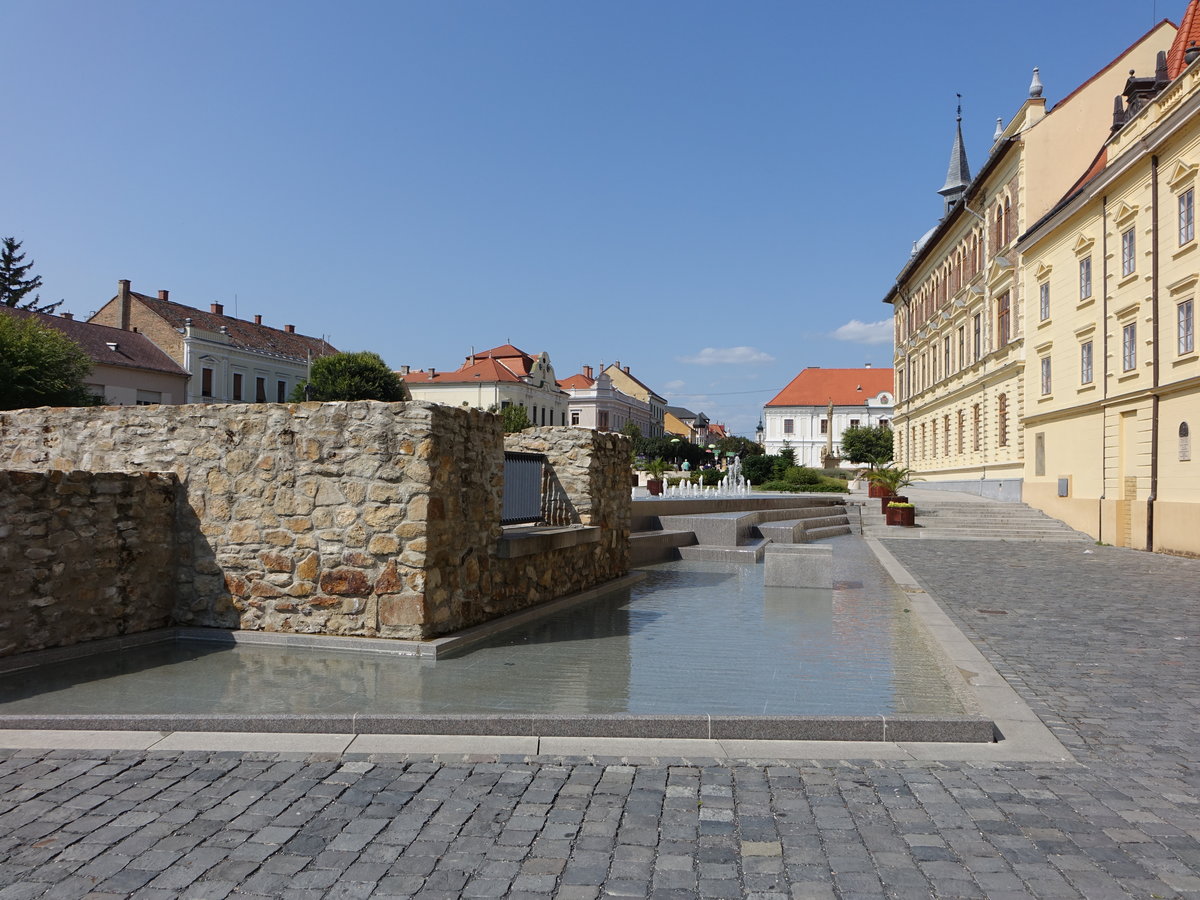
[(895, 729)]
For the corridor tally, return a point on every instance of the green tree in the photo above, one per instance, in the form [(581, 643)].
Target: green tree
[(743, 447), (351, 376), (630, 430), (16, 282), (515, 418), (40, 366), (870, 444)]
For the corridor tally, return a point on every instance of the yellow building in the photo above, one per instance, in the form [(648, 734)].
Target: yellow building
[(1112, 393), (959, 304)]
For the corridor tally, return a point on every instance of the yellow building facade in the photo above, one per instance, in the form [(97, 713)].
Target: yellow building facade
[(961, 305), (1112, 395)]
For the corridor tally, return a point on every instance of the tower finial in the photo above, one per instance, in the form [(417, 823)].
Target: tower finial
[(958, 174), (1035, 86), (999, 130)]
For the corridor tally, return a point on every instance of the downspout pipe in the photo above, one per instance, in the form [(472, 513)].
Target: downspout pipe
[(1154, 327), (1104, 372)]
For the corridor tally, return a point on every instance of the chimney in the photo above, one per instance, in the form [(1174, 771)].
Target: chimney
[(617, 363), (866, 365), (290, 329), (257, 319), (163, 295), (217, 309), (68, 316), (432, 372), (126, 304), (587, 371), (626, 370), (404, 370)]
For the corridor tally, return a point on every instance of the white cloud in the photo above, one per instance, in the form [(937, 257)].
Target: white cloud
[(676, 385), (865, 332), (713, 356)]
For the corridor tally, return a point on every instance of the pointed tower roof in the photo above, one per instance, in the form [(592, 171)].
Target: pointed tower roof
[(958, 175), (1189, 33)]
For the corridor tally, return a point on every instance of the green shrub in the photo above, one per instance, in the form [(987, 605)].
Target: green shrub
[(836, 473), (779, 486), (829, 487), (711, 477), (802, 475), (758, 468), (673, 482)]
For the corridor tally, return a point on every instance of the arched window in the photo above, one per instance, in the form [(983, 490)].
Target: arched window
[(1185, 443)]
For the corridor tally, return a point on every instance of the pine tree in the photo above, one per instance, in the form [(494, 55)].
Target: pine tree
[(14, 283)]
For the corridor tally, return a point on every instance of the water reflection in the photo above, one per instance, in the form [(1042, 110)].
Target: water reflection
[(692, 638)]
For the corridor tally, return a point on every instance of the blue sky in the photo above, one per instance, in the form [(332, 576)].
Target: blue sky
[(709, 192)]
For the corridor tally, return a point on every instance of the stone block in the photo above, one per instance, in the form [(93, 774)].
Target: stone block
[(798, 565)]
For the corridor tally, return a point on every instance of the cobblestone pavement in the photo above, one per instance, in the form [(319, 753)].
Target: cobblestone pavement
[(1102, 645)]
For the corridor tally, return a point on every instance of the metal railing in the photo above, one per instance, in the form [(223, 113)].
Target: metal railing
[(523, 474)]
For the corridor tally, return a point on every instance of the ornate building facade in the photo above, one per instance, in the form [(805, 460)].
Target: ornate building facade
[(960, 302)]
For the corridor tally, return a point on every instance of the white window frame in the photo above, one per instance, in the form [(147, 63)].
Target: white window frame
[(1185, 324), (1128, 252), (1047, 381), (1129, 347), (1085, 278), (1044, 300), (1086, 371), (1187, 216)]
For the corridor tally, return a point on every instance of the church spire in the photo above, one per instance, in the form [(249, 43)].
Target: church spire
[(958, 175)]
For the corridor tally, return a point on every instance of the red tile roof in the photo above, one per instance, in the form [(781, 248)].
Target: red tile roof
[(133, 349), (576, 382), (484, 370), (845, 387), (1189, 32), (247, 335)]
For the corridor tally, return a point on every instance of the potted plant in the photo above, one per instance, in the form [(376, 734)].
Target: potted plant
[(899, 513), (655, 469), (889, 480)]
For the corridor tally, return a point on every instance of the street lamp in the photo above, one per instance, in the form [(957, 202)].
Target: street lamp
[(675, 450)]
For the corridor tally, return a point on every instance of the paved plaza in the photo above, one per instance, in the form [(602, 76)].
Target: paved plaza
[(1100, 642)]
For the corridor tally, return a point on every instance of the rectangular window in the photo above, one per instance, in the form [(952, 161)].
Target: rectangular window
[(1085, 278), (946, 356), (1128, 248), (260, 390), (1085, 363), (148, 398), (1187, 216), (281, 391), (962, 431), (1045, 375), (1044, 300), (977, 337), (602, 420), (962, 345), (1129, 347), (574, 417), (1186, 325), (854, 423), (237, 387), (789, 426), (1002, 420), (824, 426), (1002, 320), (975, 427), (206, 381), (946, 430)]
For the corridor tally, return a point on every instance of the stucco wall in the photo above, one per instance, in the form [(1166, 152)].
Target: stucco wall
[(84, 556), (373, 519)]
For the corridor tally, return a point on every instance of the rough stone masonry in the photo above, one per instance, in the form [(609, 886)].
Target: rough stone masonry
[(357, 518)]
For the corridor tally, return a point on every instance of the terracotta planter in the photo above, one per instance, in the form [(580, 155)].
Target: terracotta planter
[(905, 516), (654, 486), (889, 498)]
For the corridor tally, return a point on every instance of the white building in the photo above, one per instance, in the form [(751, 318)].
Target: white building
[(230, 360), (501, 377), (595, 402), (799, 417)]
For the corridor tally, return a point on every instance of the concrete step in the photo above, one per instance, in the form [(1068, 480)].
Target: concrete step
[(792, 531), (749, 553), (647, 547), (827, 531)]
